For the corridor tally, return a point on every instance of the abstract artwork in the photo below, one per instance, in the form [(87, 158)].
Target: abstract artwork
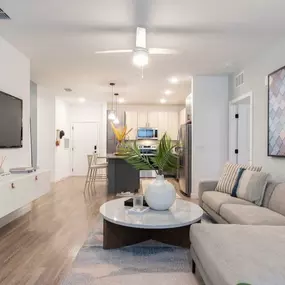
[(276, 113)]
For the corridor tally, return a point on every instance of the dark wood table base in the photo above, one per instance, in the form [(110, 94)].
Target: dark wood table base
[(116, 236)]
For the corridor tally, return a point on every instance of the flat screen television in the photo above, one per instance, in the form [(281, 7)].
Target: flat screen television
[(11, 121)]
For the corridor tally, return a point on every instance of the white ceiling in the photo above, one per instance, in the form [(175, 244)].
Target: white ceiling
[(211, 36)]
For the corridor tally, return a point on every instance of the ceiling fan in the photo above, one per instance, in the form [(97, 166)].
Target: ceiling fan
[(140, 52)]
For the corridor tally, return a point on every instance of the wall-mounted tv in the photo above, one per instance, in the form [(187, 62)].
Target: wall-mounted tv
[(11, 121)]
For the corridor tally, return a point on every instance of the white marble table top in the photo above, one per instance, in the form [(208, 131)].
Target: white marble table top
[(182, 213)]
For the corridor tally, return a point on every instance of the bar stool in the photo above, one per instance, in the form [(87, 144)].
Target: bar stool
[(93, 166)]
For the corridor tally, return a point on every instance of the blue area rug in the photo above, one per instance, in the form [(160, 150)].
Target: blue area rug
[(145, 263)]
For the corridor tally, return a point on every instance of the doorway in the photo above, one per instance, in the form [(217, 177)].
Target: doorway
[(85, 139), (240, 129)]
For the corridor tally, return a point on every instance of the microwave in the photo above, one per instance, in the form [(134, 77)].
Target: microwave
[(147, 134)]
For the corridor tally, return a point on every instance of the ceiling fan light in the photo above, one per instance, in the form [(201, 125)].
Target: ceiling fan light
[(112, 116), (140, 58)]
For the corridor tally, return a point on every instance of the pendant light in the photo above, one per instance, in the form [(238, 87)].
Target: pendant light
[(116, 121), (112, 115)]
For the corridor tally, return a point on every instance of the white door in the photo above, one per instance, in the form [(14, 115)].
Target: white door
[(132, 123), (240, 128), (243, 134), (85, 137), (233, 134)]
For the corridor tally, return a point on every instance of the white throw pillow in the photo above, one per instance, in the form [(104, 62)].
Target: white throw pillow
[(251, 186), (228, 178)]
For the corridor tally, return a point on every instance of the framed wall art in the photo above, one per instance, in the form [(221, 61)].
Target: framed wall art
[(276, 113)]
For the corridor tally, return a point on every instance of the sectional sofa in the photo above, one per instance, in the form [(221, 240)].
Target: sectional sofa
[(225, 209), (251, 249)]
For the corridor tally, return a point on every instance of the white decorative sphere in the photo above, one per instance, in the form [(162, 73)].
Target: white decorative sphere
[(160, 194)]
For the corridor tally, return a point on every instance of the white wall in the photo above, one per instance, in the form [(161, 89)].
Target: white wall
[(254, 80), (210, 128), (46, 129), (15, 80), (62, 155)]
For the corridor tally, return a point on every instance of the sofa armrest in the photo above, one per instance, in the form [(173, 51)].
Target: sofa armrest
[(206, 186)]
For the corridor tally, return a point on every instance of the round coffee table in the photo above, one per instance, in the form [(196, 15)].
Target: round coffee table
[(172, 227)]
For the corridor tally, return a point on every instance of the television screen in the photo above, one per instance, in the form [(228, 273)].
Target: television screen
[(11, 114)]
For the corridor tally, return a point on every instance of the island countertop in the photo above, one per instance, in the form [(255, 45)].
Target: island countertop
[(113, 156)]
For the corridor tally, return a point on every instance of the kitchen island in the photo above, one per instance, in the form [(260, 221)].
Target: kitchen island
[(122, 177)]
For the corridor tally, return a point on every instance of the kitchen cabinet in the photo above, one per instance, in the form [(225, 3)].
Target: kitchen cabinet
[(142, 119), (182, 117), (132, 122), (118, 169), (147, 119), (172, 125), (162, 123), (167, 121), (152, 118)]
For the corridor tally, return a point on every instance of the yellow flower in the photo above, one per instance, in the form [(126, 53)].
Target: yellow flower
[(120, 132)]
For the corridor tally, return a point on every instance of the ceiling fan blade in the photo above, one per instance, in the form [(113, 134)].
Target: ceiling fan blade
[(162, 51), (114, 51), (141, 37)]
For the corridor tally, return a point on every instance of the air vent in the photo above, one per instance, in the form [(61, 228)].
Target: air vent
[(239, 79), (67, 89), (3, 15)]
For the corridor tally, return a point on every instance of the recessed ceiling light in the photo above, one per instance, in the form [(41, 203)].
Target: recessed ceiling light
[(81, 100), (67, 89), (167, 92), (163, 100), (121, 100), (173, 80)]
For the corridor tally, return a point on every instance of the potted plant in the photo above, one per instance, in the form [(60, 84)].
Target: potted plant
[(160, 195), (120, 134)]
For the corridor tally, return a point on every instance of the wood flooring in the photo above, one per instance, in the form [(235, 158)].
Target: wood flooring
[(39, 247)]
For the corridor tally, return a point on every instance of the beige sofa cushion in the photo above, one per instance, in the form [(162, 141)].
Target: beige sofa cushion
[(268, 193), (277, 199), (250, 215), (215, 200), (230, 254)]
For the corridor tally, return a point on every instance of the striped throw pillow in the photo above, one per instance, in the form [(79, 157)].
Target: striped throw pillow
[(230, 174), (251, 186)]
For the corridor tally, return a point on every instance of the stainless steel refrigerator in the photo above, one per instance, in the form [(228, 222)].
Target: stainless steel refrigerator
[(185, 159)]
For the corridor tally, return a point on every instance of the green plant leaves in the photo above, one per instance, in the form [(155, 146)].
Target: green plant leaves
[(133, 156), (165, 159)]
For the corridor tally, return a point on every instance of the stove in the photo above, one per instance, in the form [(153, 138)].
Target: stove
[(147, 150)]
